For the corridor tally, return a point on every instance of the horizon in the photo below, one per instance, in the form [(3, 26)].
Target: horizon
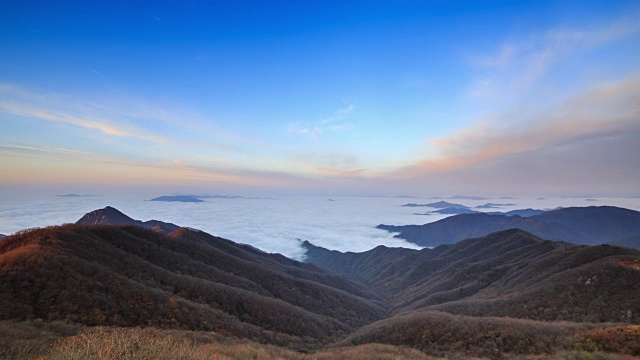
[(278, 224), (328, 99)]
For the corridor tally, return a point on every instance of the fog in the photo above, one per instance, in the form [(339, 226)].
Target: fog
[(275, 224)]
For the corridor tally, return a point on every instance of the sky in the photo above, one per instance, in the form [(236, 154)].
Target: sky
[(320, 97)]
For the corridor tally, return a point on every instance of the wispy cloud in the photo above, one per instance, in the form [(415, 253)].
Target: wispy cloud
[(67, 164), (336, 122), (6, 148), (330, 164), (66, 110), (340, 114), (303, 129), (121, 115), (516, 65)]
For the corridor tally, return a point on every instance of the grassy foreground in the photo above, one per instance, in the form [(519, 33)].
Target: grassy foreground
[(41, 341), (28, 341)]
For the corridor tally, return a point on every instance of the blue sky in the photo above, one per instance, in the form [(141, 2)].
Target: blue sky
[(323, 97)]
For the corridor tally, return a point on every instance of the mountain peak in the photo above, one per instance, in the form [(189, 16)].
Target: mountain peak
[(112, 216), (107, 215)]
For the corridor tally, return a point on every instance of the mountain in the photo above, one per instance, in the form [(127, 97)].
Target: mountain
[(630, 242), (580, 225), (492, 206), (178, 198), (458, 211), (510, 274), (2, 236), (74, 195), (454, 211), (438, 205), (504, 294), (112, 216), (123, 275), (520, 212)]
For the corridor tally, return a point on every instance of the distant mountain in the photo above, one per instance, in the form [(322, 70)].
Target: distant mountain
[(630, 242), (463, 197), (458, 211), (492, 206), (438, 205), (454, 211), (2, 236), (509, 273), (218, 196), (178, 198), (74, 195), (579, 225), (520, 212), (444, 205), (112, 216), (122, 275)]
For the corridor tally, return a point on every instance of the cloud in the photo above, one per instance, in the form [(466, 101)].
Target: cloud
[(517, 65), (300, 129), (346, 224), (45, 150), (502, 59), (340, 114), (123, 115), (605, 115), (333, 123), (65, 110), (32, 164)]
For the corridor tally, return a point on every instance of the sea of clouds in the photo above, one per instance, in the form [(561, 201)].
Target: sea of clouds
[(276, 224)]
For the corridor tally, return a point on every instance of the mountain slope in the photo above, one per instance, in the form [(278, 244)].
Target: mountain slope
[(510, 273), (112, 216), (129, 275), (630, 242), (579, 225)]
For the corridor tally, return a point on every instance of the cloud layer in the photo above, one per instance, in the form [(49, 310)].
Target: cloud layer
[(273, 225)]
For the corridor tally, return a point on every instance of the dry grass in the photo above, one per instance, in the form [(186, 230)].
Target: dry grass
[(31, 339), (634, 264), (39, 341), (115, 344)]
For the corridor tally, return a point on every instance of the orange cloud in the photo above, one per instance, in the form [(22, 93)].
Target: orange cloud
[(597, 112)]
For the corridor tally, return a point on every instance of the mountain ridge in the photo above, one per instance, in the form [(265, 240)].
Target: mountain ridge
[(130, 275), (581, 225), (496, 275)]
